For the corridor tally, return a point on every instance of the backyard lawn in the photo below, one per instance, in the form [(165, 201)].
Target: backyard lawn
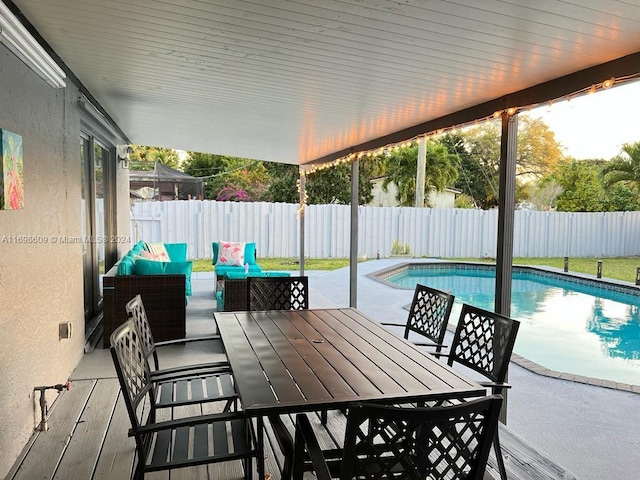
[(620, 268)]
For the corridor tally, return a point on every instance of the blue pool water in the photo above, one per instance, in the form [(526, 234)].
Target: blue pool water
[(564, 325)]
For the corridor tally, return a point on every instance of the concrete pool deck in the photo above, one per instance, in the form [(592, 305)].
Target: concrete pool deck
[(591, 431)]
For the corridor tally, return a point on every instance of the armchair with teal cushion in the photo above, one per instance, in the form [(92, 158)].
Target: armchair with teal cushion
[(249, 259)]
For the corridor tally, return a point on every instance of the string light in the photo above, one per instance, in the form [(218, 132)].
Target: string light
[(394, 147)]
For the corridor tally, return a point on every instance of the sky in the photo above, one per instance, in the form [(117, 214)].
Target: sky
[(595, 126)]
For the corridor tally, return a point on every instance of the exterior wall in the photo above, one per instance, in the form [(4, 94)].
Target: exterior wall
[(41, 278), (445, 199)]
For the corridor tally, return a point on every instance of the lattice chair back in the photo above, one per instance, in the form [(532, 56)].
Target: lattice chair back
[(133, 372), (389, 442), (278, 293), (429, 314), (136, 311), (484, 342)]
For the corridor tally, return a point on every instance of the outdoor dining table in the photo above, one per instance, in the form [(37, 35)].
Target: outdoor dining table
[(323, 359)]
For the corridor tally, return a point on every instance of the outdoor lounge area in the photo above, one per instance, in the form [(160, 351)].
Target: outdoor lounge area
[(88, 424), (306, 84)]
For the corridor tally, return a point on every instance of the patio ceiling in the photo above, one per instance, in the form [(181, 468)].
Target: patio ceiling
[(302, 81)]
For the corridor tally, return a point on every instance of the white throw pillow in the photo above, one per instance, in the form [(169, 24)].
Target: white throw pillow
[(231, 253)]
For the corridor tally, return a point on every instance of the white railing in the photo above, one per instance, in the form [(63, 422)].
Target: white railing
[(429, 232)]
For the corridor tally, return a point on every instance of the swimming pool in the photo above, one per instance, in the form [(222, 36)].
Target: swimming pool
[(568, 324)]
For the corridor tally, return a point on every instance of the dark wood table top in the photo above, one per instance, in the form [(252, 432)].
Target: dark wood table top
[(308, 360)]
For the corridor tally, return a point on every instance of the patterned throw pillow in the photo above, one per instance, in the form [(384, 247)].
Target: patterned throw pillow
[(157, 252), (231, 253)]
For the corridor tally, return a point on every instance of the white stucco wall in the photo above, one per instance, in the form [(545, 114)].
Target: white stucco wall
[(445, 199), (40, 280)]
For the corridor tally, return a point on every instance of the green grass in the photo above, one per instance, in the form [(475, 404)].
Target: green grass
[(204, 264), (620, 268)]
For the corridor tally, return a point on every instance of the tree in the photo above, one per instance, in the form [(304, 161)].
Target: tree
[(144, 157), (402, 168), (330, 185), (283, 186), (581, 187), (624, 168), (544, 193), (621, 198), (228, 178), (538, 153)]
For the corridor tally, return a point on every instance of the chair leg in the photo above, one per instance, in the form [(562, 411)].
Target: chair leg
[(323, 417), (499, 459), (285, 442)]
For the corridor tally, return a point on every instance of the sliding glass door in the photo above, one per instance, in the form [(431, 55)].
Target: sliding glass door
[(98, 219)]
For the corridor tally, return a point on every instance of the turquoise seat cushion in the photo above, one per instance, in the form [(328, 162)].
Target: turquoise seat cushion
[(219, 301), (239, 274), (222, 270), (177, 251), (249, 253), (273, 273), (151, 267)]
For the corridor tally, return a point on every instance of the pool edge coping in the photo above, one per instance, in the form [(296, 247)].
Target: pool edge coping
[(519, 360)]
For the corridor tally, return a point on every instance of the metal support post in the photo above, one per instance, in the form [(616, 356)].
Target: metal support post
[(353, 254)]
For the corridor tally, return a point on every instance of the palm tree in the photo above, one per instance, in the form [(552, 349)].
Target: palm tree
[(402, 168), (624, 168)]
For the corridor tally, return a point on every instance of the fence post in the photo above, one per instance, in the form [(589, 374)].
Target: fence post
[(599, 269), (566, 264), (637, 275)]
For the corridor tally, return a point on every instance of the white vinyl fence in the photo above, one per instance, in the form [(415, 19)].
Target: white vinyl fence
[(429, 232)]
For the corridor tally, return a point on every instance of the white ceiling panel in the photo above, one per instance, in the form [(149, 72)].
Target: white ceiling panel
[(294, 81)]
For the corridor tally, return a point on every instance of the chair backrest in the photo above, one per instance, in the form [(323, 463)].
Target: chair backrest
[(429, 313), (134, 375), (278, 293), (136, 311), (484, 342), (451, 442)]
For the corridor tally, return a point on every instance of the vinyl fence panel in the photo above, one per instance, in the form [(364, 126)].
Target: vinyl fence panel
[(429, 232)]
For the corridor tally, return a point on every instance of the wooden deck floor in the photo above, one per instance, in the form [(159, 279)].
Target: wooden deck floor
[(87, 437), (87, 440)]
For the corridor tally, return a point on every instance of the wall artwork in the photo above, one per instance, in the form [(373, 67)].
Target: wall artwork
[(11, 173)]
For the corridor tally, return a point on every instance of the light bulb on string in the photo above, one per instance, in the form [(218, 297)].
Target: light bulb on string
[(608, 83)]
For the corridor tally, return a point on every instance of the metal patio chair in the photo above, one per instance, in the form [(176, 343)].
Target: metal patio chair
[(483, 342), (186, 442), (278, 293), (428, 316), (387, 442), (183, 378)]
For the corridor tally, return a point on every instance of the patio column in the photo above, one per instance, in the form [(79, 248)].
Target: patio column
[(420, 176), (301, 212), (353, 251), (506, 210)]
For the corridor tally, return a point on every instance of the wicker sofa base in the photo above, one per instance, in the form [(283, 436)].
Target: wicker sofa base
[(163, 297)]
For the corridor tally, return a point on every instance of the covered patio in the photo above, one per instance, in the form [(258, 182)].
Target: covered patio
[(557, 440), (299, 82)]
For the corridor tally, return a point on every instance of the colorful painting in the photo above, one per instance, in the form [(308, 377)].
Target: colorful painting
[(11, 175)]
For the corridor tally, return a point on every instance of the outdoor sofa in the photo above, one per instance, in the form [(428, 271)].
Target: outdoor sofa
[(163, 284)]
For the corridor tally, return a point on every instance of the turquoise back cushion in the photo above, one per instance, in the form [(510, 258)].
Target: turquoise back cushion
[(125, 267), (177, 251), (249, 253), (151, 267)]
